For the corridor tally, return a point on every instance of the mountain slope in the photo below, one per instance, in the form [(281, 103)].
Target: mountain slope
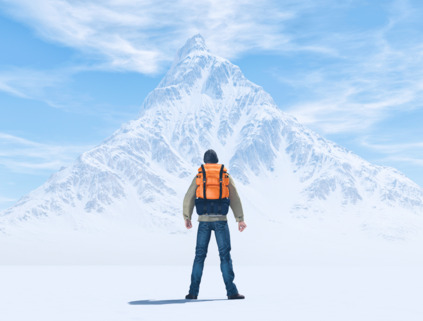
[(284, 170)]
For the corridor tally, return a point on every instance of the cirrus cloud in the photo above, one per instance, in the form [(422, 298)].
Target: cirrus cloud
[(22, 155), (143, 35)]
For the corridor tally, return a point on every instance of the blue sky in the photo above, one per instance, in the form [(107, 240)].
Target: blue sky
[(71, 72)]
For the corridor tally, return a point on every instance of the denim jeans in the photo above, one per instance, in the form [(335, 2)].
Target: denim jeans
[(221, 231)]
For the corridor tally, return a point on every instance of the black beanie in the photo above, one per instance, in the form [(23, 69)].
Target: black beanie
[(210, 157)]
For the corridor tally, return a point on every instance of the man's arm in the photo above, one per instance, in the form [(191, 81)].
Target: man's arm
[(235, 201), (189, 201)]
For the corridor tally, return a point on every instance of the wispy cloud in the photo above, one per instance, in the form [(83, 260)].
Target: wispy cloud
[(143, 35), (345, 108), (376, 73), (52, 87), (34, 84), (399, 152), (392, 148), (25, 156), (371, 70), (5, 202), (405, 160), (6, 199)]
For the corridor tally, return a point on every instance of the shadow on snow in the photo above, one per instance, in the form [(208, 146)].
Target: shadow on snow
[(176, 301)]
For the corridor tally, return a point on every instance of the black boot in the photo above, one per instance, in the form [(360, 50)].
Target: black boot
[(236, 296), (191, 297)]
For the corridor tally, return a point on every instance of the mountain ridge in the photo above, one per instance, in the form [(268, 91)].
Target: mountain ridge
[(203, 102)]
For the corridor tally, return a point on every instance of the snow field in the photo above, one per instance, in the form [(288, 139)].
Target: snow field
[(83, 293)]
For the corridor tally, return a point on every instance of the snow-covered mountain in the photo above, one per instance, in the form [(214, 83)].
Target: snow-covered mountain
[(284, 171)]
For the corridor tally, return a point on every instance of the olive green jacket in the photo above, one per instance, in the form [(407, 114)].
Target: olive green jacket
[(235, 204)]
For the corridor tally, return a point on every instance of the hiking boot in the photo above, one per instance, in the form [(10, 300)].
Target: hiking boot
[(236, 296), (190, 297)]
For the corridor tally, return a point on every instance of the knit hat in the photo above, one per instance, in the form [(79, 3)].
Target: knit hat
[(210, 157)]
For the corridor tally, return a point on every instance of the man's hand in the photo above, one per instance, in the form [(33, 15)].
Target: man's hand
[(188, 224), (241, 226)]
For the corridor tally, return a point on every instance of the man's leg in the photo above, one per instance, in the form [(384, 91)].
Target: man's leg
[(224, 244), (203, 238)]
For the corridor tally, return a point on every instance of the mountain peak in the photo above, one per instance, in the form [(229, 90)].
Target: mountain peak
[(195, 66), (193, 44), (139, 175)]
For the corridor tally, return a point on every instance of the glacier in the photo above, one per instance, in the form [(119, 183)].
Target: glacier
[(285, 172)]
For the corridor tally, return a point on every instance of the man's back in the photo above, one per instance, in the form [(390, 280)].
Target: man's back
[(235, 204), (213, 221)]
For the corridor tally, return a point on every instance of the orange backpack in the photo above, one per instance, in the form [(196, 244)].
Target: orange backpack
[(212, 182)]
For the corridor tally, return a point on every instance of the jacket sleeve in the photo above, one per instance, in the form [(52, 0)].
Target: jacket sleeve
[(235, 201), (189, 200)]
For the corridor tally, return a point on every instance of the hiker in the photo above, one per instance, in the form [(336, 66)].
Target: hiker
[(212, 191)]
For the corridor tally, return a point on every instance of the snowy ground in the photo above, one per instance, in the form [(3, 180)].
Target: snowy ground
[(290, 272), (118, 293)]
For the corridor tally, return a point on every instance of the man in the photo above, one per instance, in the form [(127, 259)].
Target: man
[(213, 217)]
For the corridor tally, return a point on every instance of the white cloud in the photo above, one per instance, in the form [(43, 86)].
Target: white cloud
[(6, 199), (142, 35), (52, 87), (5, 202), (405, 160), (376, 74), (6, 87), (390, 148), (394, 151), (34, 84), (25, 156), (340, 111), (371, 73)]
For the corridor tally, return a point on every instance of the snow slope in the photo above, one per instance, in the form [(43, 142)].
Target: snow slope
[(286, 173)]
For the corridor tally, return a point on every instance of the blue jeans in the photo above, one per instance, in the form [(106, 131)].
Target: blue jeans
[(221, 231)]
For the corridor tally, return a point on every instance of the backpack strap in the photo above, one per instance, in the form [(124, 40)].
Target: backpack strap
[(204, 181), (220, 181)]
